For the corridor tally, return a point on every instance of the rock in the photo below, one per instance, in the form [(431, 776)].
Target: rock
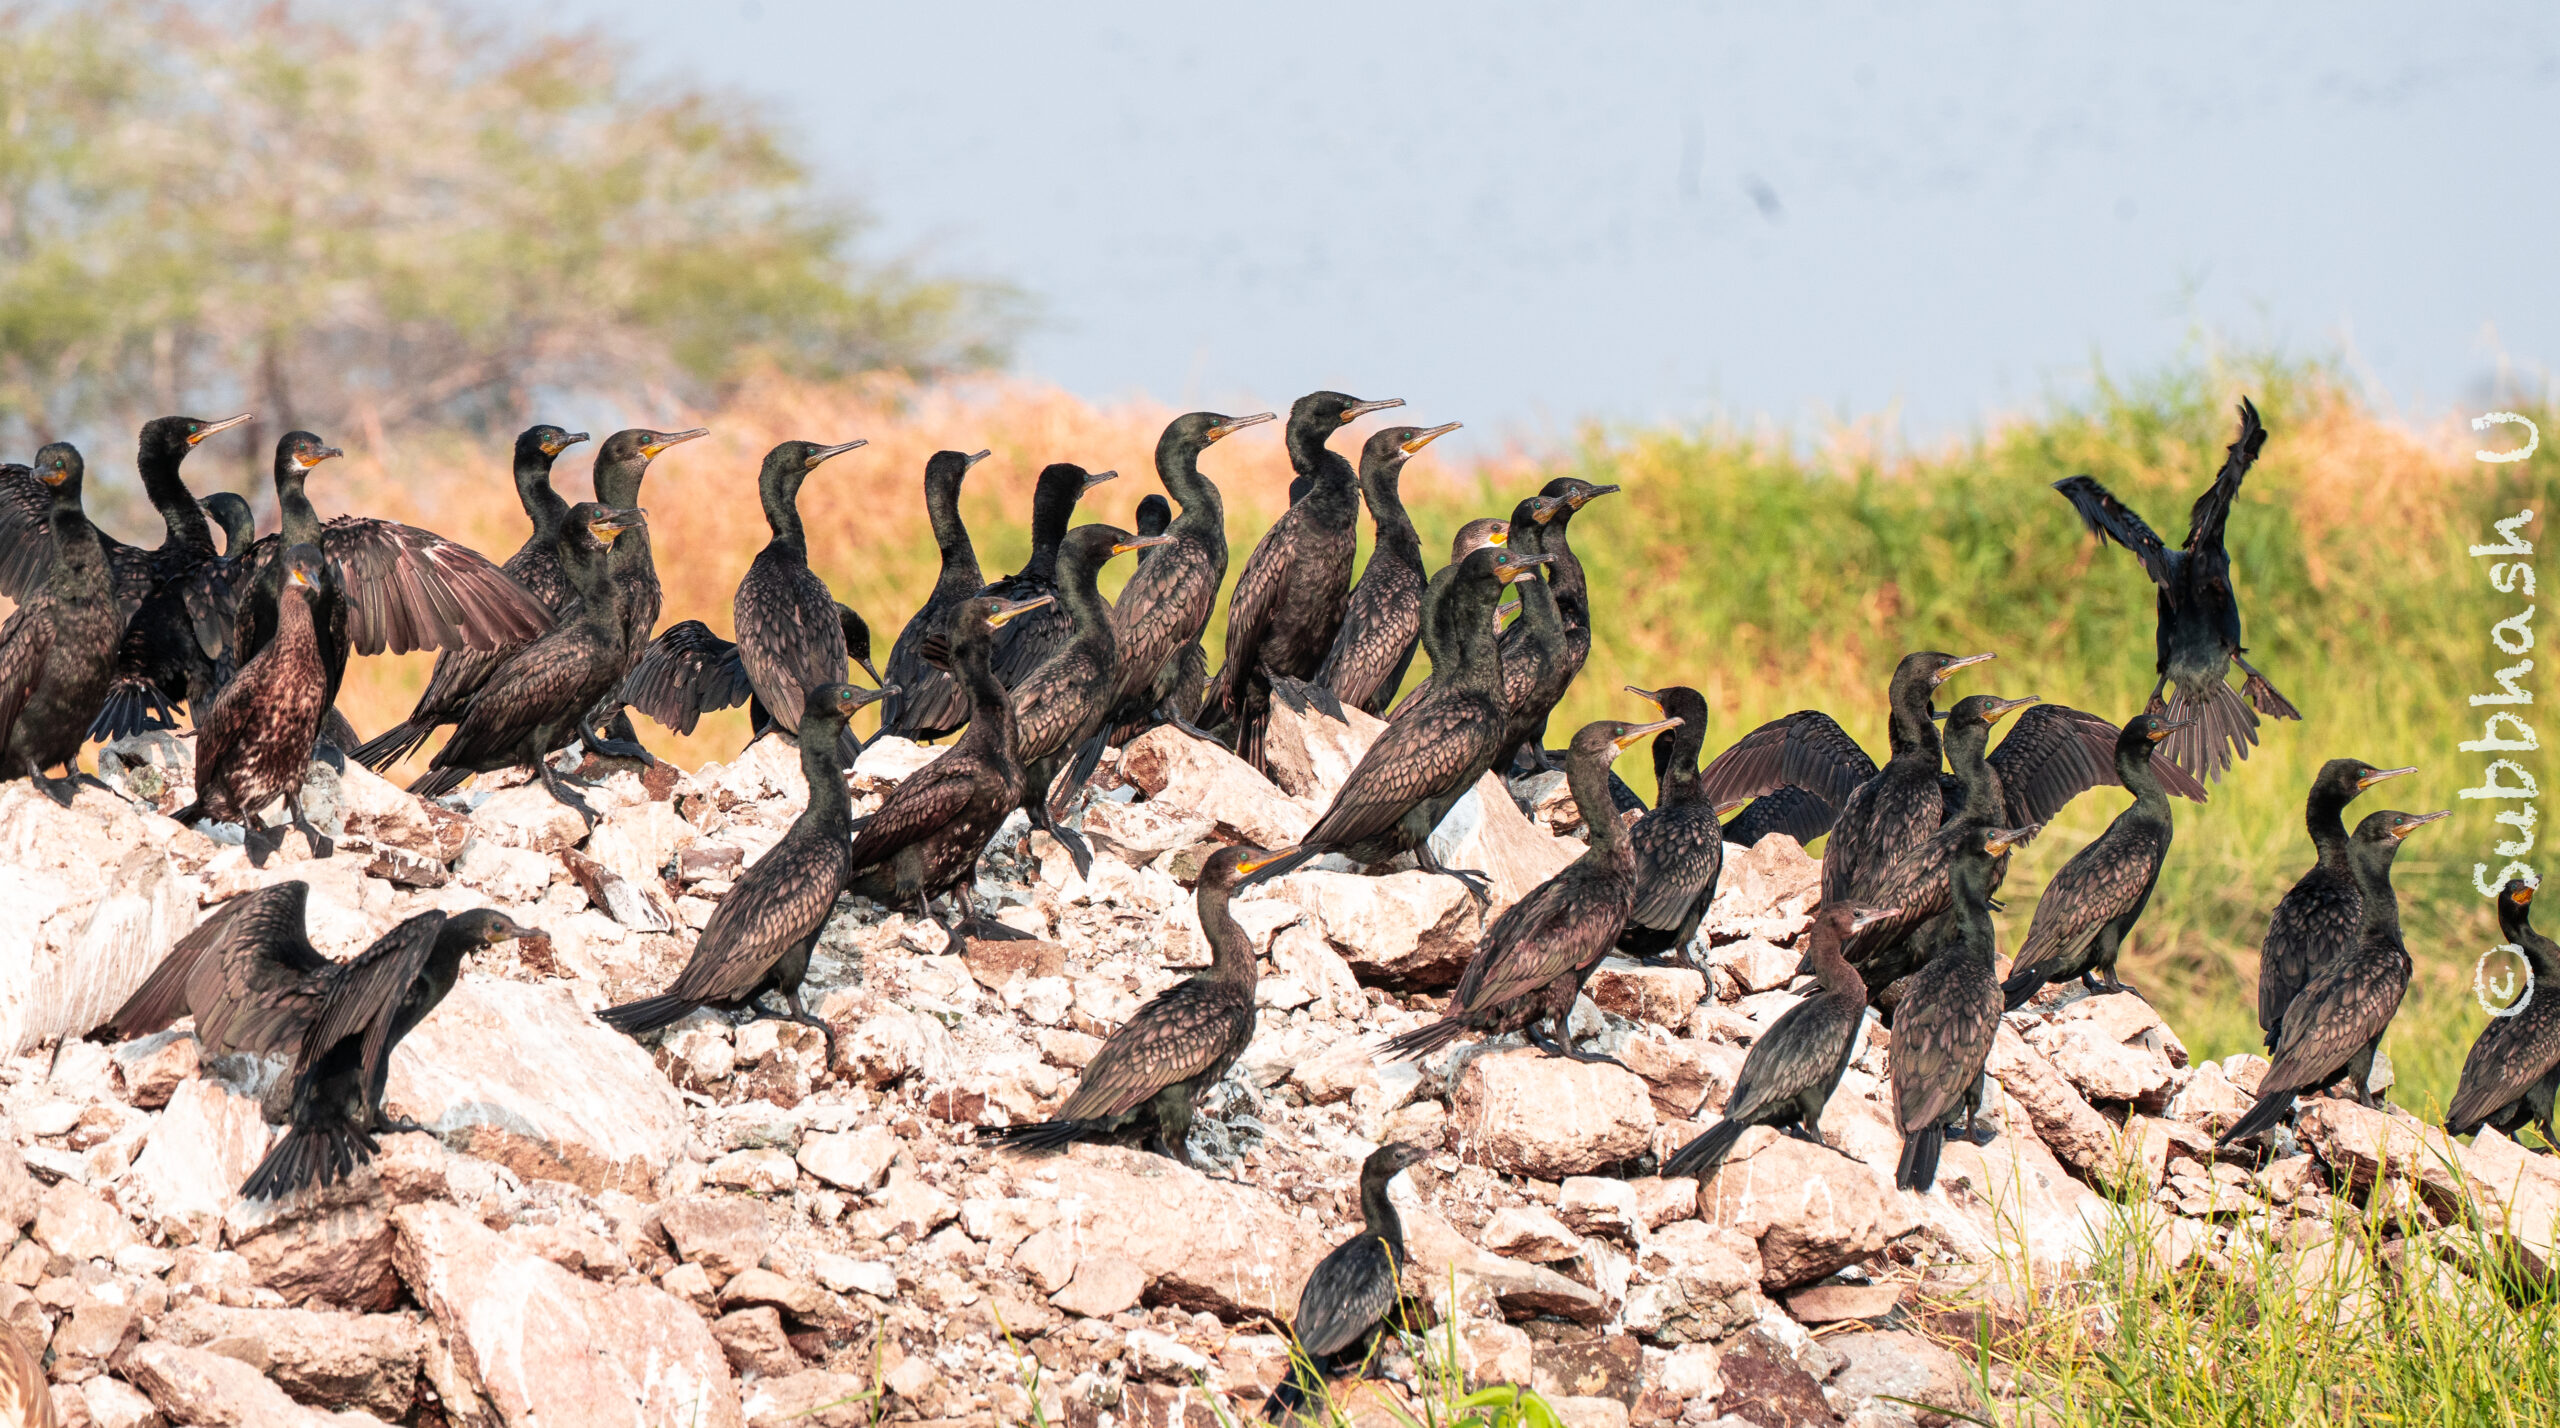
[(1187, 774), (755, 1344), (527, 816), (2068, 1125), (521, 1075), (1102, 1285), (2525, 1190), (153, 1067), (1409, 929), (201, 1150), (638, 841), (109, 1403), (1310, 752), (367, 1361), (1839, 1303), (850, 1160), (814, 1398), (1596, 1206), (2210, 1101), (633, 904), (1524, 1112), (1894, 1364), (1164, 1358), (1139, 833), (208, 1390), (1577, 1412), (547, 1347), (2246, 1070), (855, 1276), (1770, 882), (1682, 1076), (74, 1223), (1811, 1210), (760, 1171), (722, 1233), (511, 875), (2113, 1048), (2010, 1204), (1203, 1244), (1756, 964), (1524, 1232), (1440, 1253), (89, 902), (333, 1246), (1485, 831), (1661, 1200), (1665, 996), (1691, 1371), (1767, 1390), (378, 812)]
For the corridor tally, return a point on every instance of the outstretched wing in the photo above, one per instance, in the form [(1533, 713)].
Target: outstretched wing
[(1807, 748), (2213, 508), (365, 995), (686, 672), (2056, 753), (2108, 517), (1799, 813), (26, 531), (408, 589)]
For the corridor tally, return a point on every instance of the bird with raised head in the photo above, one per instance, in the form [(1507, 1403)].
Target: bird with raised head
[(1028, 643), (2089, 907), (929, 703), (1354, 1291), (1060, 706), (2318, 915), (1949, 1014), (1382, 622), (2512, 1070), (58, 649)]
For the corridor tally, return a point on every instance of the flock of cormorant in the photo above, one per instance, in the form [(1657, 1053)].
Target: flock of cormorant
[(1038, 675)]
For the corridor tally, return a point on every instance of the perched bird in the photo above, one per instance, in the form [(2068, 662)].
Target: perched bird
[(230, 511), (58, 649), (1571, 591), (1184, 681), (1153, 1071), (1027, 643), (928, 836), (459, 673), (929, 703), (1536, 956), (1949, 1016), (792, 635), (1290, 596), (1485, 532), (254, 745), (1382, 623), (535, 706), (622, 464), (2085, 912), (759, 937), (1679, 844), (1438, 746), (1797, 1063), (2199, 631), (2514, 1067), (1167, 603), (365, 1006), (1354, 1291), (1060, 706), (2336, 1022), (248, 974), (2318, 916)]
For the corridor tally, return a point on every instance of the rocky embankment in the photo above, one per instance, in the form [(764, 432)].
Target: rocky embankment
[(732, 1227)]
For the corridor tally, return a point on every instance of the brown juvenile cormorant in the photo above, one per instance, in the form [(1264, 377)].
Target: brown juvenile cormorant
[(253, 746), (1438, 745), (928, 702), (1382, 624), (2514, 1067), (58, 649), (1949, 1014), (1060, 706), (535, 706), (2336, 1022), (2085, 911), (1289, 597), (1797, 1063), (1535, 958), (1027, 643), (2317, 918), (2199, 630), (365, 1006), (1354, 1291), (1167, 603), (1153, 1071), (928, 836), (1679, 845), (759, 938), (792, 635)]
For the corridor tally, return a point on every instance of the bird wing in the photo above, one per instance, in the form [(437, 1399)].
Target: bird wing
[(554, 675), (1566, 923), (1800, 813), (260, 984), (26, 531), (197, 972), (2213, 508), (213, 605), (24, 643), (929, 798), (1029, 640), (1914, 880), (2512, 1053), (1056, 703), (1352, 1289), (1258, 589), (1410, 762), (790, 635), (1942, 1034), (773, 907), (1180, 1032), (2314, 923), (363, 997), (2101, 883), (1807, 748), (686, 672), (409, 589), (2345, 1006), (1159, 611), (2056, 753), (2106, 516), (1797, 1051), (1679, 852)]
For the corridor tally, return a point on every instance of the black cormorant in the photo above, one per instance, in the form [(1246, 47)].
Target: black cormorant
[(1382, 624), (1679, 845), (2317, 917), (2085, 911), (1355, 1290), (1167, 603), (2514, 1067), (1027, 643), (928, 703), (58, 649), (1949, 1015), (1060, 706)]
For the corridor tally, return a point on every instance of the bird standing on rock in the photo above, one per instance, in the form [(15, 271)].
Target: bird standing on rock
[(1679, 845), (1027, 643), (2336, 1023), (1167, 603), (1058, 707), (174, 599), (1382, 623), (759, 938), (1156, 1067), (1949, 1015), (1184, 680), (58, 649), (1533, 961), (929, 702), (2319, 914), (254, 745), (1571, 589), (2091, 905), (2513, 1069), (1354, 1291)]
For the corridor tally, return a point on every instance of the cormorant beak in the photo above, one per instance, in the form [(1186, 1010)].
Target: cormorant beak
[(1547, 508), (2378, 775), (1500, 537), (1523, 569), (210, 428), (862, 696), (1141, 543), (2163, 728), (2008, 707), (1421, 439), (2524, 895), (611, 527), (554, 445), (1647, 695), (513, 932), (1953, 665), (1641, 730), (309, 457), (2008, 838), (1098, 477), (297, 576), (1867, 917), (650, 449), (1232, 425), (1266, 860), (1017, 607), (1357, 410), (55, 474), (810, 463), (1506, 610), (1587, 494), (2418, 821), (974, 458)]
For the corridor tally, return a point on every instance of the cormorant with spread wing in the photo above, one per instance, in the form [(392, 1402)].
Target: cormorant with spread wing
[(1382, 624), (2318, 916), (1355, 1290), (58, 649), (928, 703), (2513, 1069), (2085, 911)]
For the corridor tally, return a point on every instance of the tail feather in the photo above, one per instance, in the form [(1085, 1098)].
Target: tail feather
[(2223, 725), (134, 705), (1035, 1135), (648, 1014), (1423, 1040), (1919, 1168), (393, 744), (1298, 1396), (1703, 1157), (2273, 1102), (309, 1155), (2023, 984), (436, 783)]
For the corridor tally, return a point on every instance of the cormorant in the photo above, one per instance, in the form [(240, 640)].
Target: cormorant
[(1184, 681), (1166, 604), (1484, 532), (929, 703), (1679, 845), (1534, 960), (1382, 624), (1949, 1014), (253, 746), (1153, 1071), (58, 649), (1436, 748), (2336, 1022), (792, 635), (927, 838), (2086, 910), (622, 464), (365, 1007), (2199, 631), (2317, 918), (1797, 1063), (1289, 599), (760, 936), (1565, 580), (1027, 643), (1355, 1290), (230, 511), (2514, 1067), (1060, 706), (248, 974), (534, 706)]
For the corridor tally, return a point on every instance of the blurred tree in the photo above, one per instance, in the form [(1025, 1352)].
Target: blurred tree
[(338, 221)]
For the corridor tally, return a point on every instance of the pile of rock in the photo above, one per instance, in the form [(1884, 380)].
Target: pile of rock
[(734, 1227)]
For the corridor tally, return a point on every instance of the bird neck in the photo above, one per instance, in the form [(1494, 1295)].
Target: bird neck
[(169, 495), (294, 628), (1972, 770), (1049, 516), (1564, 574), (781, 497), (1912, 734), (828, 800), (298, 518), (950, 533), (1386, 510), (1541, 613), (990, 711), (1675, 766), (2133, 768), (1378, 1217), (1969, 884), (2328, 828), (1831, 966), (1588, 777), (2379, 907), (1079, 586), (1202, 507), (1469, 636), (540, 502), (618, 483), (1230, 952)]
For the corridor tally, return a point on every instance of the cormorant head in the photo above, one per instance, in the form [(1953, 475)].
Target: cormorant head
[(1677, 701), (299, 451), (2514, 903), (790, 463), (2340, 780), (172, 437), (1089, 547), (1605, 739), (537, 446), (487, 927), (1155, 514), (1511, 566), (1061, 485), (838, 702), (1229, 865), (1929, 669), (1193, 432), (1981, 710), (1574, 492), (1482, 533), (606, 523), (2144, 730), (1387, 450), (943, 470), (1391, 1160), (59, 465), (231, 512), (2387, 827), (623, 461), (1996, 841), (306, 569), (1318, 415)]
